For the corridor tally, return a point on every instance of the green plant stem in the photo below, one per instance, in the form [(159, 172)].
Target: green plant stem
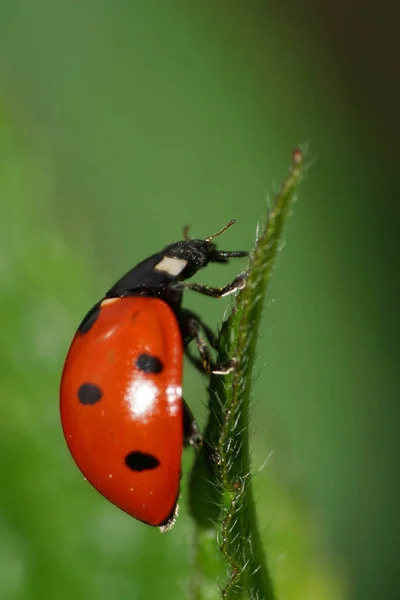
[(221, 486)]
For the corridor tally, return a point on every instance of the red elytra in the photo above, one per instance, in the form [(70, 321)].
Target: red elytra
[(121, 405)]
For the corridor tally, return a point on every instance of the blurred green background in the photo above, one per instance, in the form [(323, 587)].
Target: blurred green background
[(119, 123)]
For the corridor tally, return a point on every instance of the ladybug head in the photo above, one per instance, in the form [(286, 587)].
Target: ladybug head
[(176, 262), (198, 253)]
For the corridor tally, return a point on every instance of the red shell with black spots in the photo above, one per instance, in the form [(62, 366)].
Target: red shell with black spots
[(121, 405)]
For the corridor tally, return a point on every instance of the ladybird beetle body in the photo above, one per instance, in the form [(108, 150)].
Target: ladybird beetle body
[(122, 411), (129, 408)]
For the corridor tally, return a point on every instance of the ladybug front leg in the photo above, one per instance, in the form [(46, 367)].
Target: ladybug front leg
[(191, 327), (237, 284)]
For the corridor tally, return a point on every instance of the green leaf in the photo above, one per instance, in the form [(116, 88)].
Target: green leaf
[(221, 497)]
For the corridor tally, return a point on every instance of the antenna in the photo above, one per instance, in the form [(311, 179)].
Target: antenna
[(186, 235), (211, 237)]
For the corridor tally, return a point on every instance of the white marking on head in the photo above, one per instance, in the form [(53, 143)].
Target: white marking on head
[(170, 265)]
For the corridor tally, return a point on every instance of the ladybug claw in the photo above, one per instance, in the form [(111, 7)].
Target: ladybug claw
[(224, 369), (241, 280)]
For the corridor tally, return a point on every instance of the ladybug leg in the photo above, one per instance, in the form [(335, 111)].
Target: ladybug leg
[(191, 431), (237, 284), (187, 326), (196, 362), (191, 327), (193, 437)]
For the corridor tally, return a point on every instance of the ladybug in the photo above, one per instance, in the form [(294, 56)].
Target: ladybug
[(122, 412)]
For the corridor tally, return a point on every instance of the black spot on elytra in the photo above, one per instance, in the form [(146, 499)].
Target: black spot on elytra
[(141, 461), (90, 319), (149, 364), (89, 393)]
